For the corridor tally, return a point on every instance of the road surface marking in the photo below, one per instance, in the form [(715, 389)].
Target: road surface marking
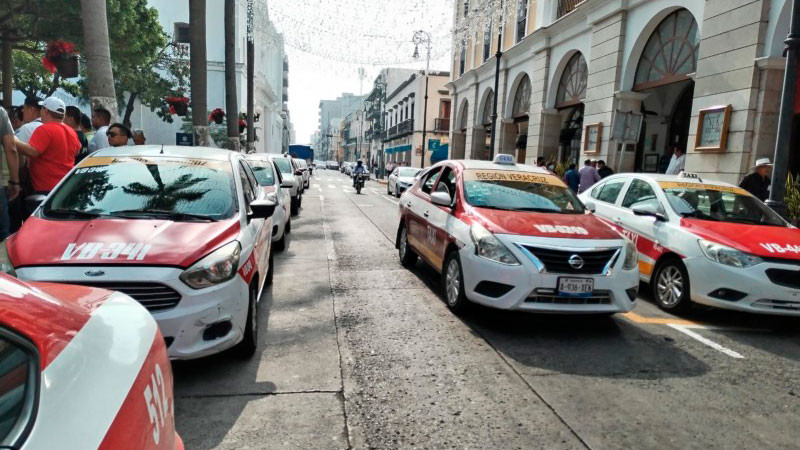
[(364, 206), (389, 200), (685, 330), (633, 317), (332, 186)]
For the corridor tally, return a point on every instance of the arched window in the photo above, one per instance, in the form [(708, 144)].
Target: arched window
[(671, 52), (488, 109), (572, 87), (522, 98), (462, 121)]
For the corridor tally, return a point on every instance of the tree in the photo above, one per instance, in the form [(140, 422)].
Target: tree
[(97, 51), (199, 70), (230, 75)]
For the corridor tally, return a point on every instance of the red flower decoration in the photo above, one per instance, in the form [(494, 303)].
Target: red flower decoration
[(217, 114), (172, 110), (242, 123), (56, 51)]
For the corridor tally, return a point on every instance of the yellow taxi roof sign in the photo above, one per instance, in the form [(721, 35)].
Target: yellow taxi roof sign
[(504, 159)]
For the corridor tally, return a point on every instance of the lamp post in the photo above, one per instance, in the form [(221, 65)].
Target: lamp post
[(420, 38), (783, 142), (497, 56), (382, 109)]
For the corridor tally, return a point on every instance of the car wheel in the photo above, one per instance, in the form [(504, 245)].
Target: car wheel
[(671, 286), (407, 256), (247, 348), (280, 244), (453, 281), (295, 208)]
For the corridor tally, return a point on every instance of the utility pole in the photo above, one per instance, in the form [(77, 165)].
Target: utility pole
[(251, 69), (198, 75), (782, 146), (422, 37), (97, 50), (498, 57), (231, 102)]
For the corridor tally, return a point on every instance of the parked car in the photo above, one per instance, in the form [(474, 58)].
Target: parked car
[(332, 165), (401, 179), (287, 170), (515, 237), (345, 167), (704, 241), (81, 368), (277, 190), (302, 167), (183, 230)]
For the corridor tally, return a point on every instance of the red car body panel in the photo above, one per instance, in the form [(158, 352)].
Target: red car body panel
[(525, 224), (759, 240)]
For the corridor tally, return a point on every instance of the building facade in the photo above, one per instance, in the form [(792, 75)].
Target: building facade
[(331, 115), (624, 81)]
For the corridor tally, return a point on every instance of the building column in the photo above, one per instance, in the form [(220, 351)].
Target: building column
[(537, 115), (769, 104)]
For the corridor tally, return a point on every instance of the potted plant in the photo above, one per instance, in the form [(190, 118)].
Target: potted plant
[(62, 57), (216, 116), (178, 105)]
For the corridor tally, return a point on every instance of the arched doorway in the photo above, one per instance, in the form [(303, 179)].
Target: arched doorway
[(460, 132), (486, 121), (569, 103), (663, 72), (519, 112)]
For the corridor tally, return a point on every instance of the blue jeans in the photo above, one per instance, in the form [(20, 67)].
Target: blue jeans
[(4, 218)]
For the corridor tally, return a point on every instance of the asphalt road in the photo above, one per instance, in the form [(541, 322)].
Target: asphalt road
[(357, 352)]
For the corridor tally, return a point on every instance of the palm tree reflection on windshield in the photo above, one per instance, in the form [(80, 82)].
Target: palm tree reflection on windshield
[(93, 189), (165, 197)]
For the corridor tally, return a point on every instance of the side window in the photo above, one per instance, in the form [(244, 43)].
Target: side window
[(610, 191), (247, 187), (278, 173), (447, 182), (640, 192), (597, 190), (430, 179), (17, 388)]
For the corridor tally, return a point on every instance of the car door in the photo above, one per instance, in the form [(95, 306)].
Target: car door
[(284, 194), (419, 206), (606, 196), (440, 216), (646, 232), (255, 228)]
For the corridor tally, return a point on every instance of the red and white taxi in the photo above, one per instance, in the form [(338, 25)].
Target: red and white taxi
[(515, 237), (81, 368), (704, 241), (185, 231)]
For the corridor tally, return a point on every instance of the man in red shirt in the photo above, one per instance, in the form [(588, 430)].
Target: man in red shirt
[(52, 147)]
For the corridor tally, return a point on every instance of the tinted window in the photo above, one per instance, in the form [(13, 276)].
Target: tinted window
[(519, 191), (249, 194), (265, 175), (152, 185), (284, 165), (639, 193), (430, 179), (15, 389), (610, 191)]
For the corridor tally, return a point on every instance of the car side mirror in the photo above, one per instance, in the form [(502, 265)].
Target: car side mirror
[(261, 209), (287, 184), (591, 206), (298, 172), (648, 211), (441, 199)]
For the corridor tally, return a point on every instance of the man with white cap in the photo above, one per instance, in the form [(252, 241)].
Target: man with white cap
[(758, 182), (52, 147)]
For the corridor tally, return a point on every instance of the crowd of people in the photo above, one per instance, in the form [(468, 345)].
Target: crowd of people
[(42, 141)]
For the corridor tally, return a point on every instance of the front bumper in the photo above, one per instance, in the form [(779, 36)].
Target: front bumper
[(722, 286), (183, 326), (535, 291)]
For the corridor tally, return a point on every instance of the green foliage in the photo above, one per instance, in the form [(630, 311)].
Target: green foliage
[(792, 200), (32, 79)]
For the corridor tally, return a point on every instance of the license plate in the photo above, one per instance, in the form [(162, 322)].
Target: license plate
[(575, 287)]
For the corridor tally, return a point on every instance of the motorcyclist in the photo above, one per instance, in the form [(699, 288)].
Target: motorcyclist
[(359, 169)]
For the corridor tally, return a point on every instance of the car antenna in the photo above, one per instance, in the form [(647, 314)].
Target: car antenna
[(162, 149)]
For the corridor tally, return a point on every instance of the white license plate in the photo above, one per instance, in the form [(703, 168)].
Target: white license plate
[(575, 287)]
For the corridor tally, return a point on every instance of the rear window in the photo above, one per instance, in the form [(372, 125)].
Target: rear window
[(408, 172), (263, 172), (108, 186), (284, 165)]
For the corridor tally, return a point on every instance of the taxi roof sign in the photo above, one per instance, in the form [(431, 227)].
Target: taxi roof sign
[(690, 176), (504, 159)]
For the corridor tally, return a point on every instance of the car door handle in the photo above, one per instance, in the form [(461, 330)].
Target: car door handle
[(427, 213), (408, 204), (618, 220)]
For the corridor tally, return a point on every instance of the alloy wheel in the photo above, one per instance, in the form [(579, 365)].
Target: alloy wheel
[(670, 286), (453, 282)]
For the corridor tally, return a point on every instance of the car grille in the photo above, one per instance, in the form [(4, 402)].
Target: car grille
[(779, 305), (557, 261), (153, 296), (550, 297), (785, 278)]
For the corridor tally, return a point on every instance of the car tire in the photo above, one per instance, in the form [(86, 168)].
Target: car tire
[(388, 191), (407, 256), (295, 207), (247, 348), (453, 283), (280, 244), (397, 193), (670, 286)]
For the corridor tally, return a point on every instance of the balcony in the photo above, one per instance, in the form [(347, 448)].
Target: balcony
[(442, 125), (566, 6), (402, 129)]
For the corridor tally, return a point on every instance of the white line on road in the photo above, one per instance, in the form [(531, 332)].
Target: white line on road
[(364, 206), (332, 186), (389, 200), (685, 330)]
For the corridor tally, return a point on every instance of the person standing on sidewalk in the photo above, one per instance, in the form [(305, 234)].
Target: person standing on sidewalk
[(12, 190), (101, 119), (572, 178), (589, 176), (72, 119), (31, 112), (758, 183)]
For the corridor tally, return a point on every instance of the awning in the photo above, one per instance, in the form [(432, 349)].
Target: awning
[(399, 149)]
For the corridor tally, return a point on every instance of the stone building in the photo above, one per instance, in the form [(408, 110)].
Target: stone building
[(624, 81)]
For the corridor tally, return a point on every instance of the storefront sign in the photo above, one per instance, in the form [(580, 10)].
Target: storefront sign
[(712, 129), (594, 137)]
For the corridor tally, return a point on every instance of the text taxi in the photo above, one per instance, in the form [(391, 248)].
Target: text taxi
[(514, 237), (704, 241), (185, 231)]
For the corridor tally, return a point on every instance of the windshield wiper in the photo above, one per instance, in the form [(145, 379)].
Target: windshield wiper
[(74, 213), (158, 213), (544, 210), (752, 221)]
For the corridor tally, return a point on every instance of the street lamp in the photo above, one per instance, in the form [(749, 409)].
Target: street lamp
[(420, 38), (381, 84), (497, 56)]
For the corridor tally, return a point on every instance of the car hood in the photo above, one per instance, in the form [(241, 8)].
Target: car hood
[(570, 226), (759, 240), (143, 242)]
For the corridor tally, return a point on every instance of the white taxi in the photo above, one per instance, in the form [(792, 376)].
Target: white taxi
[(704, 241), (514, 237), (183, 230)]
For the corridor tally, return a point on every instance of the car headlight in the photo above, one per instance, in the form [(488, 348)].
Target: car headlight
[(728, 256), (218, 267), (488, 246), (5, 261), (631, 256)]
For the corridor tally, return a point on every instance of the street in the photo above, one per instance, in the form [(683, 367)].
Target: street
[(357, 352)]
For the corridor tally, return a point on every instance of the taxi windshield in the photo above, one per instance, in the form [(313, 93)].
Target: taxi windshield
[(263, 172), (719, 204), (142, 188), (519, 191)]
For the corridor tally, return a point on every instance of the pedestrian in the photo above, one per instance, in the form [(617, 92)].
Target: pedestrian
[(604, 170), (52, 148), (572, 178), (86, 127), (72, 119), (9, 187), (588, 175), (16, 117), (540, 161), (118, 135), (678, 161), (758, 182), (31, 115), (101, 118), (139, 139)]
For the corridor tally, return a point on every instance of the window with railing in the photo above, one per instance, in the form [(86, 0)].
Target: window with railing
[(487, 41), (522, 19), (566, 6)]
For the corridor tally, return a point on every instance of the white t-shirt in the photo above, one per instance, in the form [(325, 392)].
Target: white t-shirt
[(676, 165), (99, 140), (25, 132)]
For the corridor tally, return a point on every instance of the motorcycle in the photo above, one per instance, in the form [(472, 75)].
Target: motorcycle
[(360, 179)]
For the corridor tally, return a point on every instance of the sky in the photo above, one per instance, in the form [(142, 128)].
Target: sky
[(328, 41)]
